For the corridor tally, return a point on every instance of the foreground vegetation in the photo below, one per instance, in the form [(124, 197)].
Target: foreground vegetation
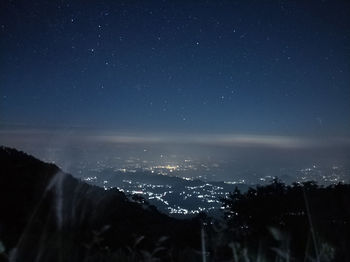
[(47, 215), (300, 222)]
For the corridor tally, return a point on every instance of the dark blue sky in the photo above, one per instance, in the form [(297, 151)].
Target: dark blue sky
[(247, 67)]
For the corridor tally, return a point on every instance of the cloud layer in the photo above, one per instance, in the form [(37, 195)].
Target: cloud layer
[(229, 140)]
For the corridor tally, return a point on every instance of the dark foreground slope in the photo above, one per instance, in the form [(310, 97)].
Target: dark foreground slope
[(47, 215), (298, 222)]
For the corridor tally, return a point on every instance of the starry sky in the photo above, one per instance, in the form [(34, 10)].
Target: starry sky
[(257, 68)]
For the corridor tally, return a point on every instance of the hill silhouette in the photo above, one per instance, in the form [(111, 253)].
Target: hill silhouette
[(299, 222), (48, 215)]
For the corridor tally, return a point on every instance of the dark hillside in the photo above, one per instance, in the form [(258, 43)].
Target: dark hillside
[(299, 221), (48, 215)]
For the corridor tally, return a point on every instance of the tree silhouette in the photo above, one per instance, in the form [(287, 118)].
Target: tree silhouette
[(308, 215)]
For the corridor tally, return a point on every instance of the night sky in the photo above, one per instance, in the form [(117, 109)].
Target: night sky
[(257, 68)]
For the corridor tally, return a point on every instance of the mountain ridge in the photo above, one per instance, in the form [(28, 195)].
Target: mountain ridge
[(41, 205)]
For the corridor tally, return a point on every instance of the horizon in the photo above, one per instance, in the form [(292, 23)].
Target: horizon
[(232, 157)]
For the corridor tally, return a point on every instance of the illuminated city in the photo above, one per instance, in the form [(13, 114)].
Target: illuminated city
[(171, 190)]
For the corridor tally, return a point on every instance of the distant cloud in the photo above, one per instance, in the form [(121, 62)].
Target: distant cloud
[(229, 140), (242, 140)]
